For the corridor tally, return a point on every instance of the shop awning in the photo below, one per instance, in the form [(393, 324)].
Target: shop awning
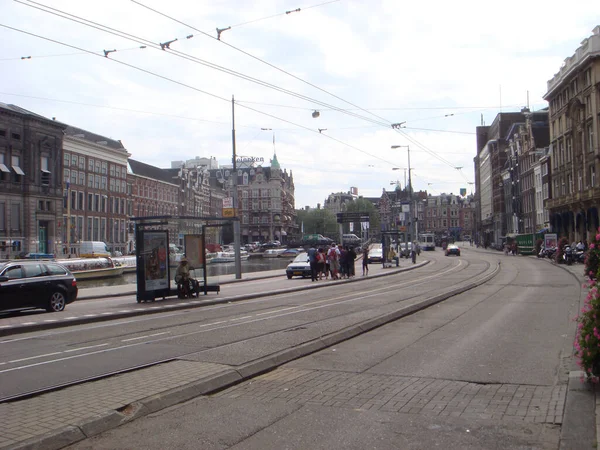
[(18, 170), (4, 169)]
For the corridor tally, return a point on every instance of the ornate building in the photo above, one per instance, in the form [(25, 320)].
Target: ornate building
[(574, 98), (96, 190), (266, 200), (31, 186)]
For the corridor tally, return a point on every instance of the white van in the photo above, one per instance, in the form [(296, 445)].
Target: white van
[(93, 249)]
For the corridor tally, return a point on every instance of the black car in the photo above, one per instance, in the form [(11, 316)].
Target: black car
[(36, 284)]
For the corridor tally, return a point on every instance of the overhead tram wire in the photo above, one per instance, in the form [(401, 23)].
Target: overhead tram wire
[(163, 77), (151, 44), (124, 35), (137, 39), (386, 122)]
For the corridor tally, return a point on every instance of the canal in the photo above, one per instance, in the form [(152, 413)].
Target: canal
[(257, 264)]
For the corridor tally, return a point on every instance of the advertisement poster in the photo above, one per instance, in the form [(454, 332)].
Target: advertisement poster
[(550, 240), (156, 264), (194, 250)]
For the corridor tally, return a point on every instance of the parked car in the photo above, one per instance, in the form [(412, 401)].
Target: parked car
[(452, 249), (299, 267), (36, 284), (375, 255)]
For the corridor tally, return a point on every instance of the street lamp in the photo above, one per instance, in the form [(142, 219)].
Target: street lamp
[(410, 215)]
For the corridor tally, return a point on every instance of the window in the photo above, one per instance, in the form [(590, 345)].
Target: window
[(90, 182), (67, 159), (112, 170), (80, 200), (15, 217), (103, 183), (103, 205), (16, 165), (3, 168), (590, 138), (82, 162), (74, 159), (96, 204), (74, 200), (97, 181), (73, 177), (592, 176), (98, 166), (111, 185), (45, 178), (104, 168), (2, 216), (82, 178), (90, 165)]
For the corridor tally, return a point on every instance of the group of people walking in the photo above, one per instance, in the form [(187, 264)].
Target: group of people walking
[(336, 262)]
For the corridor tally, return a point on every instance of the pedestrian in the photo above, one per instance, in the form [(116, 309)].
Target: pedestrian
[(321, 263), (334, 262), (351, 258), (344, 271), (365, 261), (312, 259)]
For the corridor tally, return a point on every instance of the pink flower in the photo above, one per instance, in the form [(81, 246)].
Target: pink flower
[(592, 246)]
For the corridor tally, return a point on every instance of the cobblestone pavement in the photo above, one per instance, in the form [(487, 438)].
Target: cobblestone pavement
[(28, 418), (412, 395)]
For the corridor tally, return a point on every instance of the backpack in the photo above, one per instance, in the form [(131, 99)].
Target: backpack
[(332, 254)]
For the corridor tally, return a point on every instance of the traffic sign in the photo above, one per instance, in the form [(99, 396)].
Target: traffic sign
[(352, 217)]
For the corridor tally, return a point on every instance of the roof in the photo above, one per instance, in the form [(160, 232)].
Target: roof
[(25, 112), (92, 137), (146, 170)]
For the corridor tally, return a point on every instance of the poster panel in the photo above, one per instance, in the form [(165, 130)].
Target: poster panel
[(550, 240), (194, 250), (156, 263)]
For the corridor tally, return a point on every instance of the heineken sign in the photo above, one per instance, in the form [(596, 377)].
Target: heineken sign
[(250, 159)]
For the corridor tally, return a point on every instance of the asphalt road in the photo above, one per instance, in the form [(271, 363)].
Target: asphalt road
[(232, 333), (485, 369)]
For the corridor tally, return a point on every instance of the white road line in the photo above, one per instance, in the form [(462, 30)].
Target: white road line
[(72, 317), (84, 348), (240, 318), (29, 323), (125, 310), (90, 315), (33, 357), (144, 337), (50, 320), (106, 313), (6, 326)]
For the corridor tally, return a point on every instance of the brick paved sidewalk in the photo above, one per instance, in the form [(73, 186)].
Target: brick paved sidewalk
[(74, 407), (412, 395)]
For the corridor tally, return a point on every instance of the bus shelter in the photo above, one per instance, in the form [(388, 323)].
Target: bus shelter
[(153, 258)]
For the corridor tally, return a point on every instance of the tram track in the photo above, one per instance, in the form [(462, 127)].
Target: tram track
[(449, 272)]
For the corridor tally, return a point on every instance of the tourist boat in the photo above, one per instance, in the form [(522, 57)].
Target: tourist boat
[(228, 256), (90, 268), (273, 252), (128, 263)]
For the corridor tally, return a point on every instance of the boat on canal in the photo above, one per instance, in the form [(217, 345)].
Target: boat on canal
[(227, 256), (273, 252), (91, 268), (128, 263)]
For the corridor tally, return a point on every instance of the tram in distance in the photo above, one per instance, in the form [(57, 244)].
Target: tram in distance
[(427, 241)]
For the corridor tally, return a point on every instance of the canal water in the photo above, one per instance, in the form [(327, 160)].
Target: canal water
[(257, 264)]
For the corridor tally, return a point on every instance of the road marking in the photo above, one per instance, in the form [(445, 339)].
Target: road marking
[(144, 337), (33, 357), (50, 320), (125, 310), (5, 326), (72, 317), (84, 348), (90, 315), (240, 318), (29, 323), (106, 313)]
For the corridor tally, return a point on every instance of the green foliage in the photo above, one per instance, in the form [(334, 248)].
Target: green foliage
[(587, 340)]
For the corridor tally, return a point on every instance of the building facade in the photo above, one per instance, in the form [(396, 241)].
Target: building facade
[(574, 97), (95, 191), (266, 201), (31, 186)]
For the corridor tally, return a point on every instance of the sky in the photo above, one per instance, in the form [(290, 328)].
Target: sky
[(438, 69)]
